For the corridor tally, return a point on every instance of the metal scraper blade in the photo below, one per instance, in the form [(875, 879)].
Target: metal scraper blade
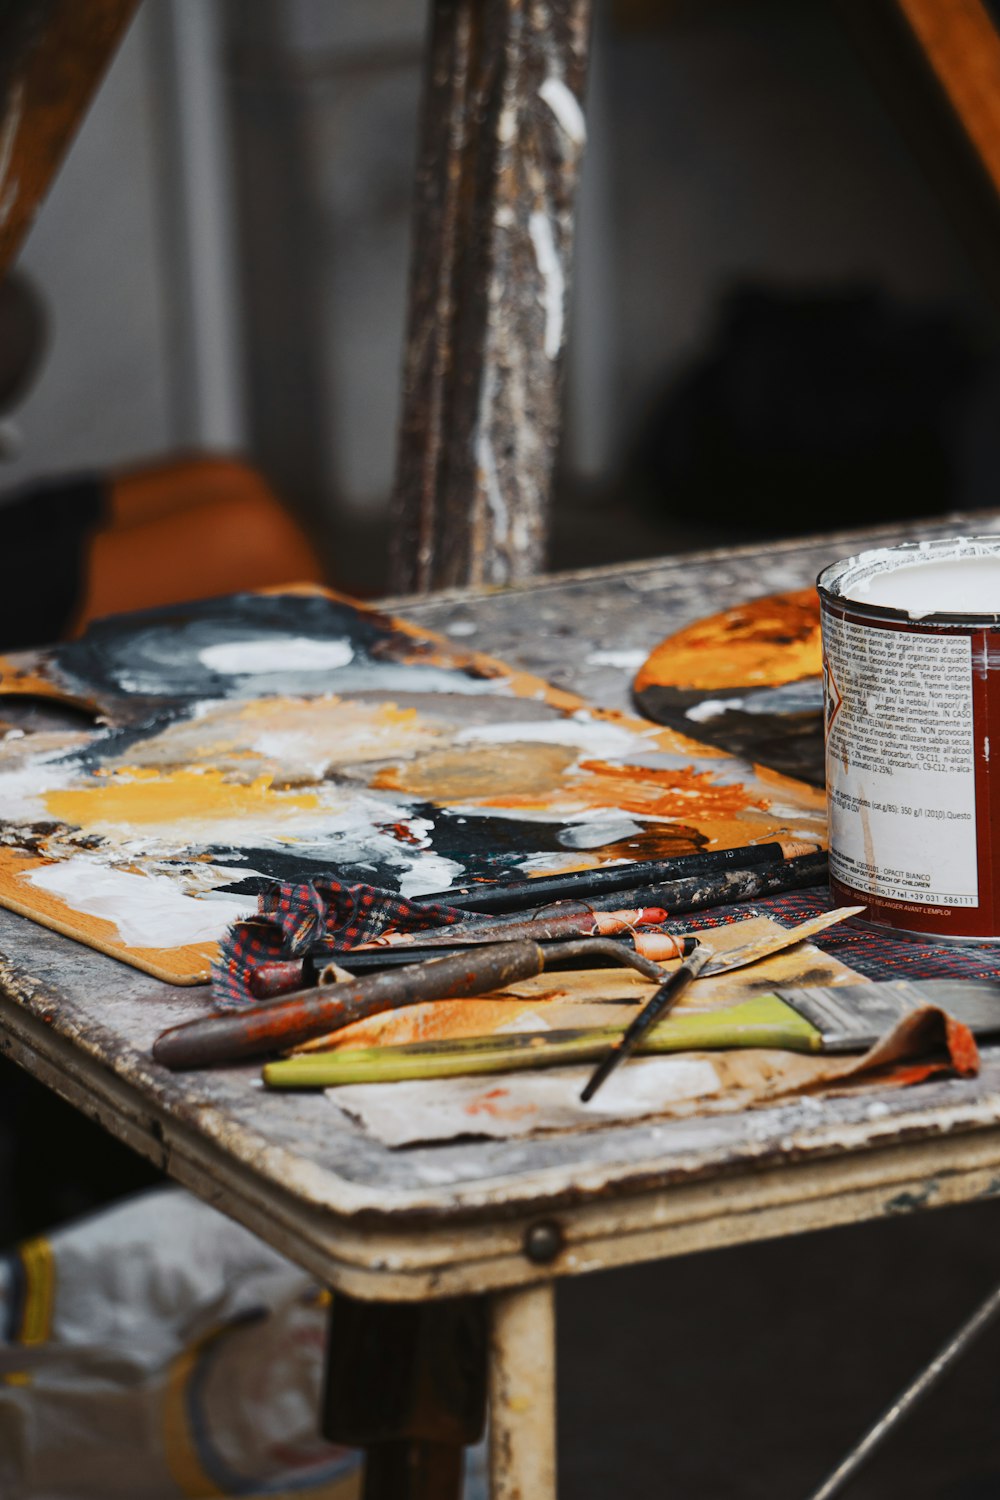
[(774, 942), (852, 1017)]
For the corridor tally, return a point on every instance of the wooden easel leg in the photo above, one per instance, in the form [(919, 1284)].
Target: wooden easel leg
[(502, 142), (407, 1382), (522, 1384)]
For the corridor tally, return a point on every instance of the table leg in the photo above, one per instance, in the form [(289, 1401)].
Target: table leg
[(407, 1382), (522, 1385)]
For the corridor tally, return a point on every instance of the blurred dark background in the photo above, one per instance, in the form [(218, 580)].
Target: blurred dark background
[(779, 324)]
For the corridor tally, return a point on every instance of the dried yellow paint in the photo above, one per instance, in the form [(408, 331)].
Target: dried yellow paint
[(136, 795)]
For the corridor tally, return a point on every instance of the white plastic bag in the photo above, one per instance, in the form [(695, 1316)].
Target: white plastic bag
[(158, 1350)]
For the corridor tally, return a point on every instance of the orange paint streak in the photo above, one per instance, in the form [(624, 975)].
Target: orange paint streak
[(496, 1103), (23, 681), (962, 1048), (767, 642), (689, 794)]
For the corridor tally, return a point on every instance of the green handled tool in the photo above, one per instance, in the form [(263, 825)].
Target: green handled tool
[(833, 1018)]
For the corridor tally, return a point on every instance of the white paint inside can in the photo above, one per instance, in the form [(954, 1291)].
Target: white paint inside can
[(966, 585), (956, 575)]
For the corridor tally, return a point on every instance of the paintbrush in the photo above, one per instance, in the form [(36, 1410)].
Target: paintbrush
[(666, 996), (699, 893), (821, 1019), (661, 947), (517, 895), (278, 976), (286, 1023), (283, 1024), (703, 959), (548, 925)]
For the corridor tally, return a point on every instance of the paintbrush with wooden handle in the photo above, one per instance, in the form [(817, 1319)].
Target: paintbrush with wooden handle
[(283, 1024)]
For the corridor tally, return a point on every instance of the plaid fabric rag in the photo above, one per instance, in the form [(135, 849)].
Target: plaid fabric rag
[(320, 915)]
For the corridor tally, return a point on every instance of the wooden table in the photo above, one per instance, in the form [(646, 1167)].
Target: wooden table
[(501, 1220)]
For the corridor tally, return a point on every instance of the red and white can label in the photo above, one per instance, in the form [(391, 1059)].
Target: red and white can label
[(901, 764)]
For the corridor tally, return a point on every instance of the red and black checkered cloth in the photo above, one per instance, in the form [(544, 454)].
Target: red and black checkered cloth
[(326, 915), (320, 915)]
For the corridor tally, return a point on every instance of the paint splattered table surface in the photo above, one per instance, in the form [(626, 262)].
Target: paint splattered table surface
[(451, 1218)]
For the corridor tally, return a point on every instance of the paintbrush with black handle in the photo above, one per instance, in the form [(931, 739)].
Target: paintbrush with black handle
[(585, 885), (665, 998), (695, 893)]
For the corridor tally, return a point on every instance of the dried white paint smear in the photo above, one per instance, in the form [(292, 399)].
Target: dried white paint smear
[(23, 790), (596, 737), (711, 708), (628, 661), (594, 833), (566, 108), (486, 463), (427, 873), (553, 281), (148, 910), (294, 653)]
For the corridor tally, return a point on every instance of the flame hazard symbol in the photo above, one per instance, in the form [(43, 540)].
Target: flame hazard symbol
[(832, 696)]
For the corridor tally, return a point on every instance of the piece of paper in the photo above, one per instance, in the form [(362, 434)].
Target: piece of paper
[(925, 1043), (436, 1109)]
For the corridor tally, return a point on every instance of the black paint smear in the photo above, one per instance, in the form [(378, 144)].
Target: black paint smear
[(160, 648), (487, 849), (791, 743)]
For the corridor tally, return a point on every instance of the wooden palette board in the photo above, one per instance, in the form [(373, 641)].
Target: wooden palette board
[(285, 734), (748, 680)]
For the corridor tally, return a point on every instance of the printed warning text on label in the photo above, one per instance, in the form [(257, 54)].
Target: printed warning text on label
[(900, 763)]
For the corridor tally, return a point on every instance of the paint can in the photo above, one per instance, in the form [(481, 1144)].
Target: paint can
[(911, 669)]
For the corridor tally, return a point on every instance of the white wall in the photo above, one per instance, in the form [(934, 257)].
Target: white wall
[(132, 251), (103, 395)]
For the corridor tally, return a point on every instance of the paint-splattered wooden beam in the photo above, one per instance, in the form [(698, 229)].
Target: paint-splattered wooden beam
[(502, 143), (53, 54)]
